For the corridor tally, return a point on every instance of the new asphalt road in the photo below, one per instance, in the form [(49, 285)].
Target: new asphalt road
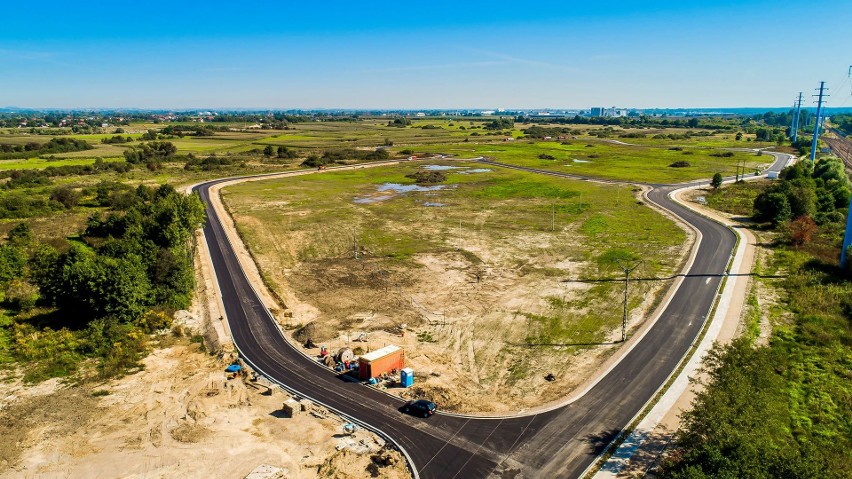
[(561, 442)]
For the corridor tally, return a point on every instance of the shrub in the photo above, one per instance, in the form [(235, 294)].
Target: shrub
[(65, 195), (427, 177), (680, 164)]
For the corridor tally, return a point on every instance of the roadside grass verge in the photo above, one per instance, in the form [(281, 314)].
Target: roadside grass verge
[(737, 198)]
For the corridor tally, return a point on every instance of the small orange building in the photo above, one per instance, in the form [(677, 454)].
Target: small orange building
[(380, 361)]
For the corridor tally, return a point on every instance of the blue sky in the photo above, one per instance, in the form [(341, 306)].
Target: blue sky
[(430, 54)]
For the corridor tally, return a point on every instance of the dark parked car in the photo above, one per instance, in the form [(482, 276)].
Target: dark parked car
[(420, 407)]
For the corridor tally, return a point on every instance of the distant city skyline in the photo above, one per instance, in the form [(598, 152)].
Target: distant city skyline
[(439, 55)]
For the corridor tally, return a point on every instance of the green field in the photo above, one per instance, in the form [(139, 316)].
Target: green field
[(599, 158), (644, 159), (39, 163)]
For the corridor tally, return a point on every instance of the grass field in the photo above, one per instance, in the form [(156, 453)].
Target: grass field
[(488, 252), (39, 163), (737, 199), (604, 159), (644, 159)]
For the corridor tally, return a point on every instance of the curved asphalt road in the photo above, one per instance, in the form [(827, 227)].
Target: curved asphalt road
[(562, 442)]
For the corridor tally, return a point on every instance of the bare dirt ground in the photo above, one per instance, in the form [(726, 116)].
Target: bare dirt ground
[(464, 330), (179, 417), (466, 312)]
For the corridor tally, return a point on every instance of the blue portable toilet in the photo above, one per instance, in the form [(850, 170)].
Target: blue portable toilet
[(406, 377)]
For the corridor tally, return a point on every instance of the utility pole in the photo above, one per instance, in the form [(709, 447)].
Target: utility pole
[(794, 133), (818, 118), (847, 238), (553, 218), (740, 167), (627, 272)]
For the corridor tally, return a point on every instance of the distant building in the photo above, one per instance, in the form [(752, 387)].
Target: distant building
[(613, 112)]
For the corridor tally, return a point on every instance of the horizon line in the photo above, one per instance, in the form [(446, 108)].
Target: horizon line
[(355, 109)]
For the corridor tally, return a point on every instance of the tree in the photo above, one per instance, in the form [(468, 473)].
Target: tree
[(93, 286), (12, 262), (21, 235), (283, 152), (802, 230), (739, 136), (772, 206), (268, 151), (66, 196), (717, 181), (149, 135), (802, 200)]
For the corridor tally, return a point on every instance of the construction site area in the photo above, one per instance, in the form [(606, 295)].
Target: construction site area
[(178, 417), (501, 289)]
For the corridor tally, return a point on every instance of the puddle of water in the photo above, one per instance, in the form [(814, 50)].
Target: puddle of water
[(581, 161), (391, 190), (432, 203), (442, 167), (366, 200), (475, 170), (398, 188)]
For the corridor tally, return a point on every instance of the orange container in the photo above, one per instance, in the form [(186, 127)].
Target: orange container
[(381, 361)]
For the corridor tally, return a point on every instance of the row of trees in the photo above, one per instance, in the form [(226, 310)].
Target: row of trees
[(150, 153), (500, 124), (34, 149), (644, 121), (820, 194), (341, 156), (843, 123), (783, 409), (280, 152)]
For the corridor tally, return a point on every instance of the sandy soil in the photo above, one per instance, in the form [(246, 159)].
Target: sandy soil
[(179, 417), (463, 316)]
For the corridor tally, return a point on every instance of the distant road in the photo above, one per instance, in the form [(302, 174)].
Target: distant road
[(562, 442)]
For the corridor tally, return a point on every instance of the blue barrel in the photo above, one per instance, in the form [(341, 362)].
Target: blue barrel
[(406, 377)]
